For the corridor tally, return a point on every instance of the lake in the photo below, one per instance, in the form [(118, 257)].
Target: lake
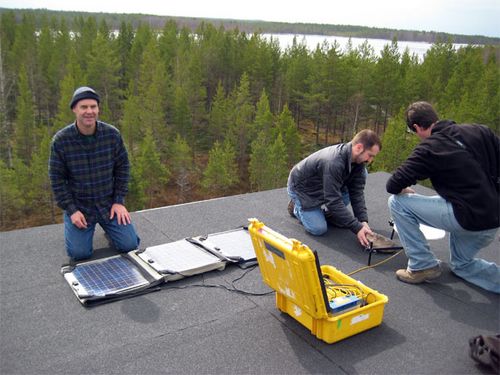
[(311, 41)]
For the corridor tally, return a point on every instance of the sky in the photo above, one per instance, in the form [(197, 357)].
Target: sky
[(470, 17)]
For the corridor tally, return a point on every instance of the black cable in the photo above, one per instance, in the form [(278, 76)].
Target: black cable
[(243, 291), (233, 289)]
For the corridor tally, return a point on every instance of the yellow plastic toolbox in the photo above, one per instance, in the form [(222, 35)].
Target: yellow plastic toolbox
[(331, 304)]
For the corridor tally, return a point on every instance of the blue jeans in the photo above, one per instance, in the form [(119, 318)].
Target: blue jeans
[(79, 241), (313, 219), (408, 210)]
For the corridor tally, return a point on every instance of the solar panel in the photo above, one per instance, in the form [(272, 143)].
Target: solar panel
[(105, 277), (181, 258), (235, 245)]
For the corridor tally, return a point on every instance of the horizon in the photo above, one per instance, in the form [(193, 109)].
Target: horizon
[(466, 17)]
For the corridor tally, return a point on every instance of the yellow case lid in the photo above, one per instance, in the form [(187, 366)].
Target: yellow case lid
[(290, 268)]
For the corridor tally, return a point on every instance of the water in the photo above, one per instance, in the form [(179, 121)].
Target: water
[(311, 41)]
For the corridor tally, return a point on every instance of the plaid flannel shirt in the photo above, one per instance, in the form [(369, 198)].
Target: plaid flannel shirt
[(89, 175)]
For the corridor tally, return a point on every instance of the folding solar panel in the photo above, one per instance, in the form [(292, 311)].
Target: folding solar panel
[(139, 270), (179, 259), (107, 278), (234, 246)]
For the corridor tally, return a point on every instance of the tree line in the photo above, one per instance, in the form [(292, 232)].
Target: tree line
[(212, 111), (114, 21)]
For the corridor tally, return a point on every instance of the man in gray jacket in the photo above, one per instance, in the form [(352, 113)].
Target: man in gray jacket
[(322, 185)]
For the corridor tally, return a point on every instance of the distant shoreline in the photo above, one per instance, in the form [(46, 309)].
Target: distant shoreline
[(266, 27), (312, 40)]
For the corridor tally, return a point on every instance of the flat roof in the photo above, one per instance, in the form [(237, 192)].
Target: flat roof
[(202, 330)]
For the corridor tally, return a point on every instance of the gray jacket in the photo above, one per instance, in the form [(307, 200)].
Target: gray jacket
[(320, 179)]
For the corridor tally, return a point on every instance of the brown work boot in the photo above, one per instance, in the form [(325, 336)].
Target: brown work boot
[(417, 277), (291, 207), (382, 244)]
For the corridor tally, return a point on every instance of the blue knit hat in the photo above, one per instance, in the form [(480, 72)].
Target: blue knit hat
[(83, 93)]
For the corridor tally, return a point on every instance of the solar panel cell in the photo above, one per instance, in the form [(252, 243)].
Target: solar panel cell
[(109, 276)]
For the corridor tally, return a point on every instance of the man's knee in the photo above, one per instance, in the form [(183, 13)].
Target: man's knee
[(78, 242), (127, 239), (79, 252), (392, 202), (317, 230)]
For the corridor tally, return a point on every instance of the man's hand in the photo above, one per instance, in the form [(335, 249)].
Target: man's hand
[(122, 215), (78, 220), (407, 190), (362, 234)]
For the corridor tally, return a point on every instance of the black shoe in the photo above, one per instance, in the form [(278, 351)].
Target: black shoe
[(291, 207)]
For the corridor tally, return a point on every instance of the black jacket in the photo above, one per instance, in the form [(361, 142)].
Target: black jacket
[(319, 179), (463, 164)]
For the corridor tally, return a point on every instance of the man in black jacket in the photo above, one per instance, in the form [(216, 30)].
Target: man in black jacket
[(328, 180), (463, 163)]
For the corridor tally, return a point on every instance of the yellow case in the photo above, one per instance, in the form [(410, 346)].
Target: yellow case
[(292, 270)]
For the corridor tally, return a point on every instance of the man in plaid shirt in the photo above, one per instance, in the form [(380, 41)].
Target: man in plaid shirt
[(89, 173)]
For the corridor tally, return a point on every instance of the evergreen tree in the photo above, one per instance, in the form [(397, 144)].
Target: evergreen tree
[(259, 164), (268, 162), (41, 79), (6, 129), (243, 111), (64, 114), (144, 107), (436, 70), (20, 180), (181, 161), (103, 69), (410, 78), (361, 62), (168, 45), (278, 162), (296, 77), (388, 82), (152, 93), (315, 100), (130, 125), (153, 173), (261, 62), (23, 53), (221, 172), (25, 130), (181, 120), (264, 119), (291, 136), (488, 106), (189, 75), (86, 33), (136, 197), (72, 79), (219, 117), (398, 144), (10, 197), (123, 45), (40, 193), (143, 36), (337, 87), (58, 67)]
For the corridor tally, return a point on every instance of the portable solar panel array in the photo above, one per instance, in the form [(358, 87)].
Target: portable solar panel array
[(143, 270)]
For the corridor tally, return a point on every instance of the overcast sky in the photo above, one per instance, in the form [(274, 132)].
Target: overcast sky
[(472, 17)]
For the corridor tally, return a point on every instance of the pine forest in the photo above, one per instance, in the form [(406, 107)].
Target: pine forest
[(210, 111)]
